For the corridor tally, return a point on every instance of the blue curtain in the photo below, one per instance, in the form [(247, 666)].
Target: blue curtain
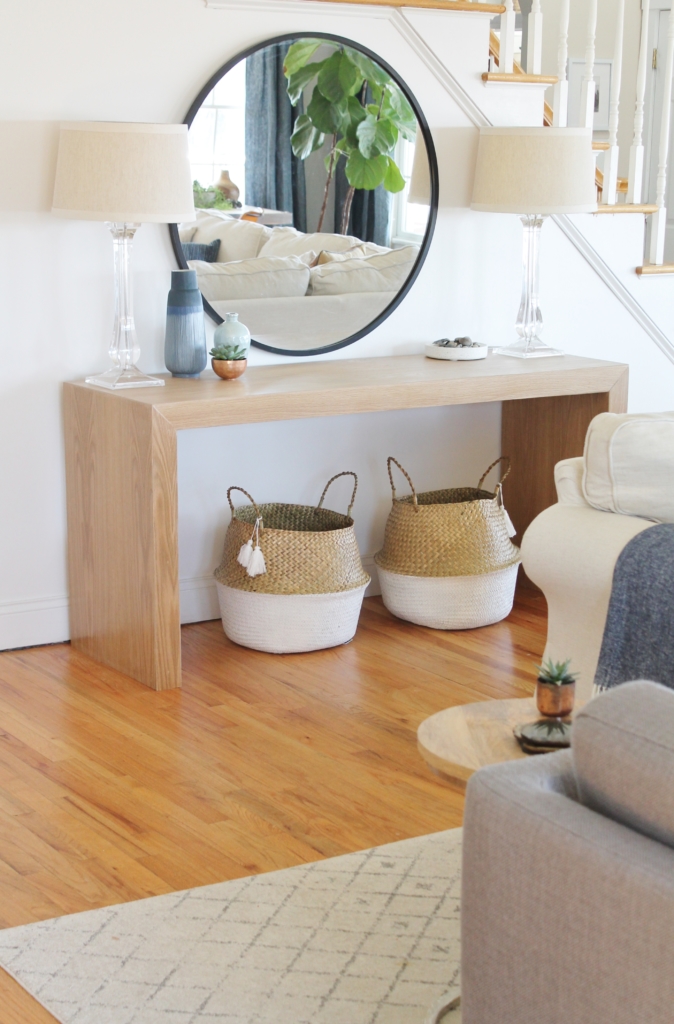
[(274, 177)]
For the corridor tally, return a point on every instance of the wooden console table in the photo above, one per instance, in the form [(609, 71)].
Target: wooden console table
[(121, 468)]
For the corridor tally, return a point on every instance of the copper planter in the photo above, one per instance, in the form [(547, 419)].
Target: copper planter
[(555, 701), (229, 369)]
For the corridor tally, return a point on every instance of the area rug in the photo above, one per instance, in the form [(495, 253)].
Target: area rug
[(367, 938)]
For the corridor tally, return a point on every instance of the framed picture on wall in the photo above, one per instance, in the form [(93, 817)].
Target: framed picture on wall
[(602, 77)]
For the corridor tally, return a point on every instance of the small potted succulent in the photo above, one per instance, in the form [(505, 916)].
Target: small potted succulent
[(555, 689), (229, 361)]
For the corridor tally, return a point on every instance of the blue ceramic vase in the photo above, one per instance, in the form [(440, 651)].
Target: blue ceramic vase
[(185, 352)]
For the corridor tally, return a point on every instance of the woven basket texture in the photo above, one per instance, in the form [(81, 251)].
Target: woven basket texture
[(459, 531), (307, 550)]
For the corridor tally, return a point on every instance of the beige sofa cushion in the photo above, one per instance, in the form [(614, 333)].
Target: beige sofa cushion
[(261, 278), (290, 242), (629, 464), (623, 752), (361, 251), (239, 239), (386, 272)]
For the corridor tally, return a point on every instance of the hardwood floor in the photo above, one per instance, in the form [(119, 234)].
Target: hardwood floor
[(110, 791)]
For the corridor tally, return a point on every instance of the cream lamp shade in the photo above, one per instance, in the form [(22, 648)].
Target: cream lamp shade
[(535, 171), (123, 172)]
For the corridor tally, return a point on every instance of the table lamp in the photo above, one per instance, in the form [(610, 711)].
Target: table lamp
[(123, 174), (534, 172)]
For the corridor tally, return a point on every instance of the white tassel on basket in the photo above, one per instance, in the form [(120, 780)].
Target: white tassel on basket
[(251, 558), (243, 557), (509, 523)]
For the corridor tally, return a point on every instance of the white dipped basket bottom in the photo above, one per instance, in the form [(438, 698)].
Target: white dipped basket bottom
[(289, 623), (448, 561), (291, 578), (450, 602)]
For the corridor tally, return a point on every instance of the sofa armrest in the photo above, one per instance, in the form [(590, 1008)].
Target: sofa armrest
[(566, 915), (569, 482)]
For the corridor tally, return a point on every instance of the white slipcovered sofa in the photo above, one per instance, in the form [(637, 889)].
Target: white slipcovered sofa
[(291, 289), (623, 484)]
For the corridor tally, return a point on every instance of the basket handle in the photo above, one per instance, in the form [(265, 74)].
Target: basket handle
[(501, 458), (347, 472), (405, 474), (251, 500)]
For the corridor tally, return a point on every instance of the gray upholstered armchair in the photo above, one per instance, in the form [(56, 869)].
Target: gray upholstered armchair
[(568, 877)]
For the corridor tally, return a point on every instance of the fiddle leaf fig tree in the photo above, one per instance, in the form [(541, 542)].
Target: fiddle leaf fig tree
[(356, 104)]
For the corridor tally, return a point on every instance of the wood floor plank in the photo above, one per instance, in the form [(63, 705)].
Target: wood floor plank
[(110, 792)]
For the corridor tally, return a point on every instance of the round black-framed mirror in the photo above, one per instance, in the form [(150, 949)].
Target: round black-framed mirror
[(259, 245)]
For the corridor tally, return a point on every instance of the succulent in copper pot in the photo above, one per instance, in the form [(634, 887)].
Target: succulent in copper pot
[(555, 688), (229, 361)]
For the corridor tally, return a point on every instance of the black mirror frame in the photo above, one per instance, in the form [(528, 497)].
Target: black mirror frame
[(433, 170)]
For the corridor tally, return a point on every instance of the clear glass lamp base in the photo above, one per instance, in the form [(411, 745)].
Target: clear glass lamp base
[(529, 323), (528, 350), (124, 349), (129, 378)]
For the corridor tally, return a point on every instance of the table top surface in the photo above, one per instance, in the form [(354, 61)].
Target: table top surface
[(332, 387), (459, 740)]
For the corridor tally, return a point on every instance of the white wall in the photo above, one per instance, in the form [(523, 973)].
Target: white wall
[(145, 60)]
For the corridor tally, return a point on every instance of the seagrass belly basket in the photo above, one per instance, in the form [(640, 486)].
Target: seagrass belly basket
[(291, 578), (448, 560)]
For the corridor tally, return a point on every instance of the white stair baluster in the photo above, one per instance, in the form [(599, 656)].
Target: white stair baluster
[(636, 171), (611, 159), (534, 39), (560, 113), (507, 41), (588, 89), (659, 223)]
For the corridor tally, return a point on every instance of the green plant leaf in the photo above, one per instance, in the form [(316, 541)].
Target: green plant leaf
[(326, 116), (298, 55), (400, 104), (355, 113), (339, 78), (305, 138), (299, 81), (376, 137), (368, 69), (393, 179), (367, 135), (364, 173)]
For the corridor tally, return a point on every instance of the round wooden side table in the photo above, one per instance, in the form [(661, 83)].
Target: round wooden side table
[(459, 740)]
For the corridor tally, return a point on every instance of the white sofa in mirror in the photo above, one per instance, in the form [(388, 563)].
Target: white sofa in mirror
[(292, 289), (308, 227)]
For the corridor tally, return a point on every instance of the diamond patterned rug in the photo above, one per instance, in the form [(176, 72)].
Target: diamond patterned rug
[(367, 938)]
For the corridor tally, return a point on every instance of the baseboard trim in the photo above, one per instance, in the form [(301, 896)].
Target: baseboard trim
[(40, 620), (44, 620)]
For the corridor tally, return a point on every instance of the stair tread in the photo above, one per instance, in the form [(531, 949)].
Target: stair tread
[(519, 79), (650, 269), (644, 208), (473, 6)]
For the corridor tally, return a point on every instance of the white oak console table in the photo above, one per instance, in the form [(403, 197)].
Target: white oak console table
[(121, 468)]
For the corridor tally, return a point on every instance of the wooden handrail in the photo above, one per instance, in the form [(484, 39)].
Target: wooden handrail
[(434, 5)]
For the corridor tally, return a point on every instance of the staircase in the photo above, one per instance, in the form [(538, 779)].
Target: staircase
[(626, 252)]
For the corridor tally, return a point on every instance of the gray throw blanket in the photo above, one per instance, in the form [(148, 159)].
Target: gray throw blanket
[(638, 640)]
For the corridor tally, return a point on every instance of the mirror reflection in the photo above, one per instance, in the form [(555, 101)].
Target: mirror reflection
[(312, 193)]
